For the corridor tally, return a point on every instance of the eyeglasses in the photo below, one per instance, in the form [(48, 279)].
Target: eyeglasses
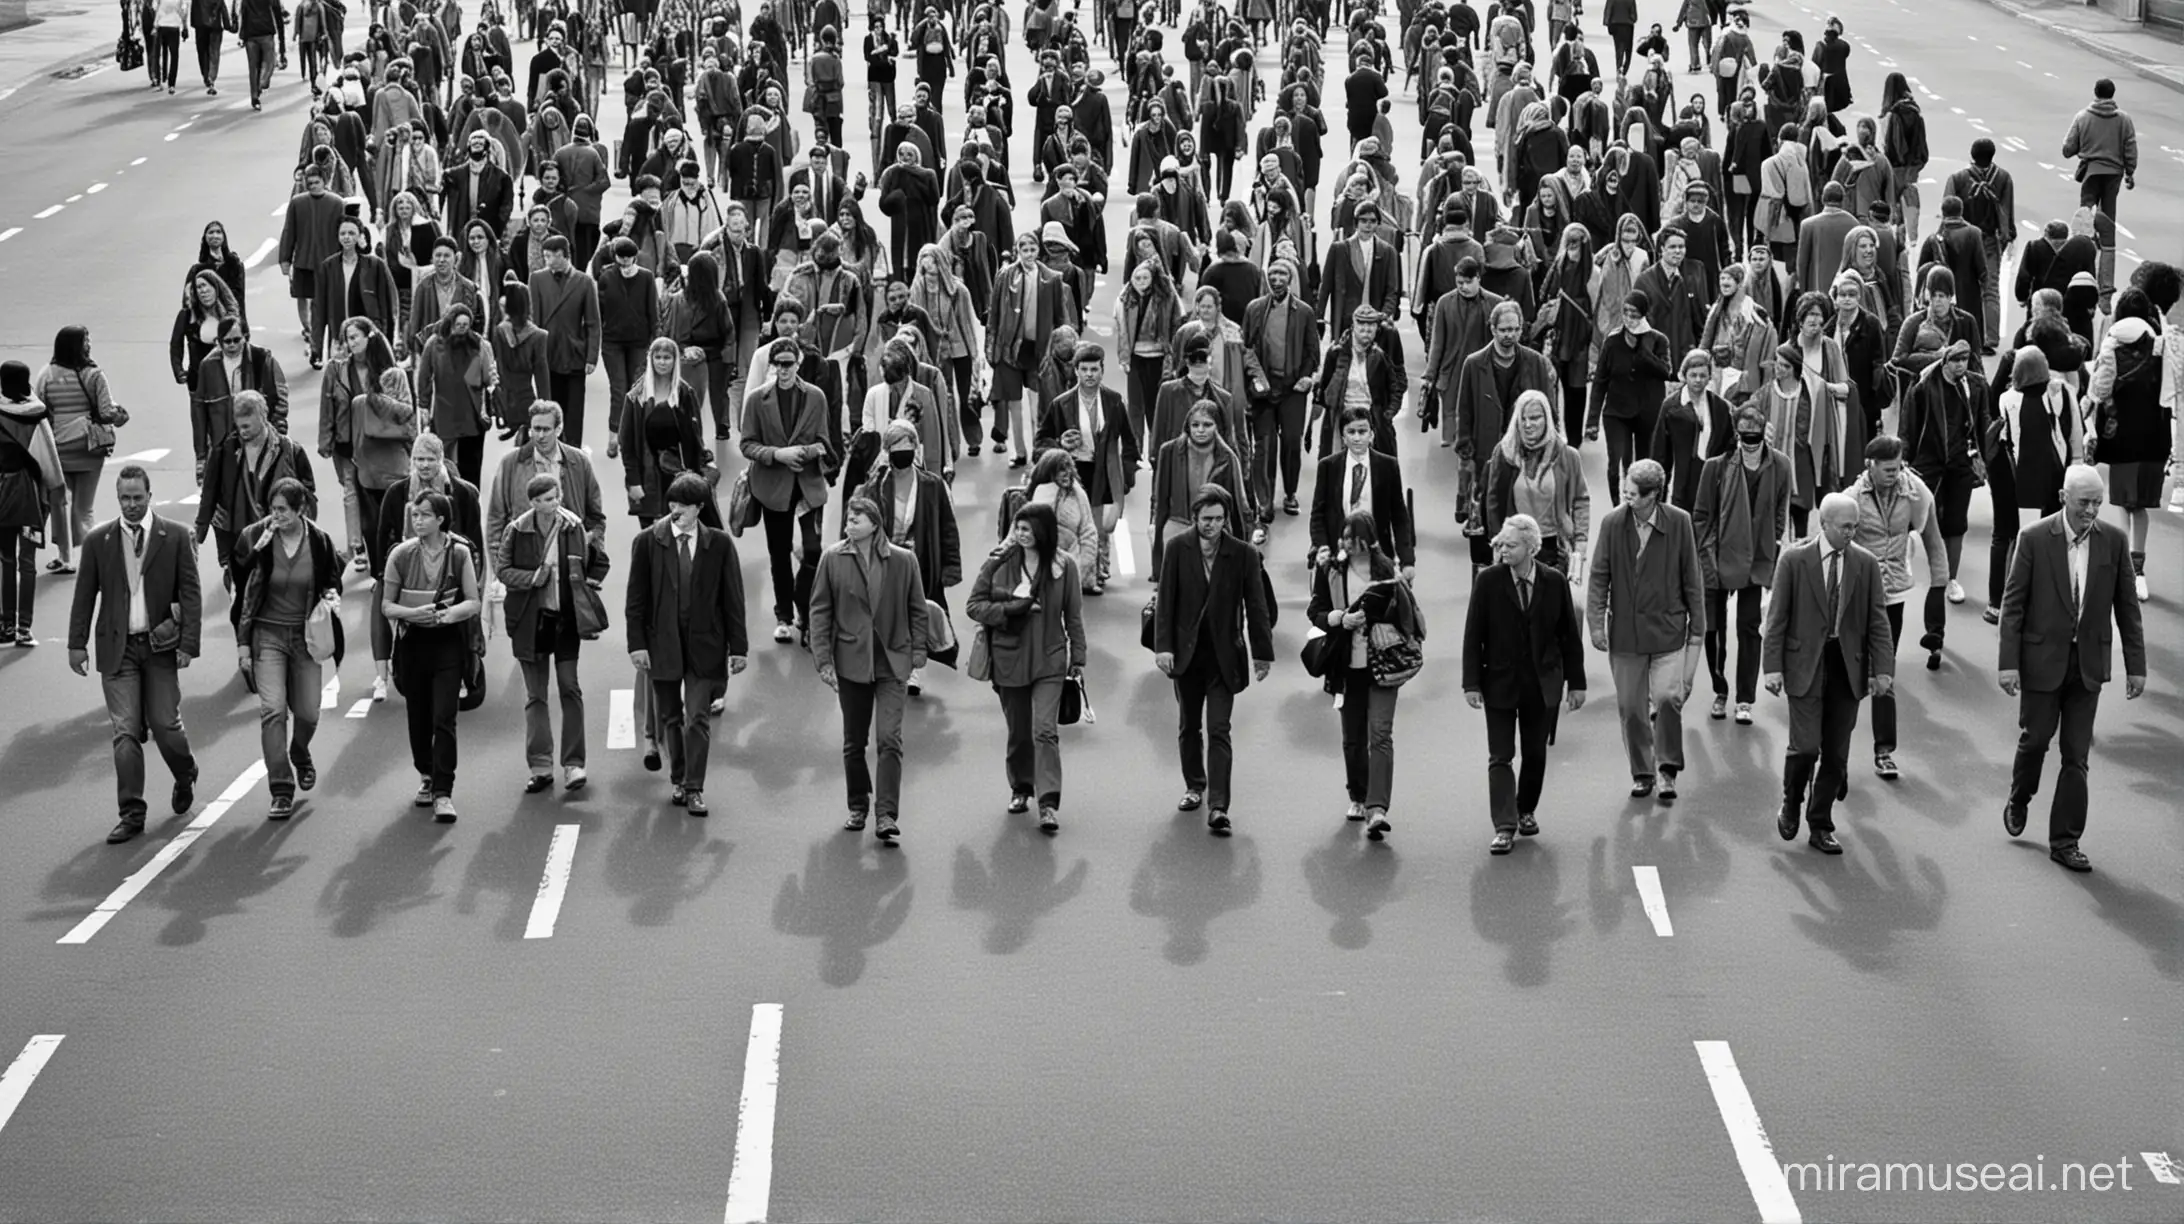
[(232, 342), (788, 364)]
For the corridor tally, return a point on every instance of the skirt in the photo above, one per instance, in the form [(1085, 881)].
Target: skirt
[(2137, 486)]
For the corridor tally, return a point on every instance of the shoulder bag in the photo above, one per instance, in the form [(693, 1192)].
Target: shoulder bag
[(100, 429)]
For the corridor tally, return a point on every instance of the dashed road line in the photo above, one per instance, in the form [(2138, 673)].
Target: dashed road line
[(264, 249), (360, 709), (1755, 1155), (554, 885), (94, 189), (10, 232), (72, 199), (16, 1080), (140, 161), (750, 1178), (329, 697), (621, 719), (153, 455), (1649, 893), (82, 932), (40, 216)]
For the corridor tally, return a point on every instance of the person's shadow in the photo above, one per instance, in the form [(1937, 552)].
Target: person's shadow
[(223, 875), (1516, 902), (2155, 921), (390, 873), (508, 861), (1020, 883), (1188, 879), (1690, 855), (662, 860), (848, 903), (1864, 899), (1350, 878)]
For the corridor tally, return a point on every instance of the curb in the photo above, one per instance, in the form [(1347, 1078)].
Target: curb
[(2099, 44)]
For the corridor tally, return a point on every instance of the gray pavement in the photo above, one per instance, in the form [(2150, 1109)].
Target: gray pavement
[(341, 1018)]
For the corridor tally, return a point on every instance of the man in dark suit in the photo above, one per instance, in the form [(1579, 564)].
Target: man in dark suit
[(476, 188), (1355, 478), (565, 302), (2070, 589), (240, 475), (1827, 637), (1210, 600), (239, 366), (1676, 304), (869, 635), (137, 600), (1091, 423), (353, 283), (1281, 360), (1362, 269), (686, 629), (749, 292), (1521, 646)]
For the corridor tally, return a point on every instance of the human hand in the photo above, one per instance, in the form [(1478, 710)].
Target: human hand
[(826, 677), (227, 580), (182, 658), (736, 664), (2008, 680), (614, 450), (636, 492), (1577, 700), (1165, 661), (641, 660), (1353, 619), (1472, 699), (79, 661), (1600, 642), (1408, 573), (2134, 687), (1883, 685), (590, 368), (220, 519), (1260, 668), (1773, 681)]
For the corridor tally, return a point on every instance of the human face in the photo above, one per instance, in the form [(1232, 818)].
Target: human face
[(1885, 473), (284, 516), (1838, 525), (136, 498), (1532, 425), (1672, 253), (1632, 318), (1641, 504), (206, 297), (231, 345), (1357, 437), (1277, 279), (739, 228), (349, 236), (216, 237), (858, 526), (1089, 373), (1021, 536), (1363, 334), (784, 369), (423, 522), (1727, 283), (443, 262), (2081, 506), (1507, 328), (1809, 324), (548, 502), (685, 517), (1846, 300), (1514, 549), (1938, 305), (250, 426), (459, 325), (545, 432), (1201, 430), (1696, 375), (1027, 249), (1211, 521), (664, 362), (1954, 365)]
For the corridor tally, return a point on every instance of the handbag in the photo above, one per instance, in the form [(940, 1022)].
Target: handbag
[(589, 609), (1393, 664), (1076, 705), (380, 428), (940, 635), (979, 666), (1314, 654), (98, 431), (742, 507), (1147, 618), (318, 632)]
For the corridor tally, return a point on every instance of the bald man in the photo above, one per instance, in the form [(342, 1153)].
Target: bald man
[(1827, 641)]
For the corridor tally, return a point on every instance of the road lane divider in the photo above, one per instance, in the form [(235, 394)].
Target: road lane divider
[(621, 719), (554, 885), (264, 249), (153, 455), (1125, 555), (82, 932), (329, 697), (1755, 1155), (750, 1178), (16, 1080), (360, 709), (1649, 894)]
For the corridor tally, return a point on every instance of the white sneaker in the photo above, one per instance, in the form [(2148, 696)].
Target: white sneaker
[(917, 678), (2141, 583), (379, 688), (1956, 591)]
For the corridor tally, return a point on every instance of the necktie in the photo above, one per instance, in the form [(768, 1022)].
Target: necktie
[(686, 560), (1835, 572), (1357, 484), (136, 541), (2077, 597), (1524, 593)]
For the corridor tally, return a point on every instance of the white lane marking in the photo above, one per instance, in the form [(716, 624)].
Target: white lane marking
[(16, 1080), (191, 500), (2121, 229), (750, 1178), (140, 161), (40, 216), (72, 199), (1649, 892), (264, 249), (329, 698), (1754, 1153), (171, 136), (153, 455), (94, 189), (2023, 64), (360, 709), (560, 857), (83, 931), (1125, 555), (621, 719), (184, 126), (278, 212), (10, 233)]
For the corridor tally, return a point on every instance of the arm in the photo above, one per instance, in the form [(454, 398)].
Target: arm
[(821, 618), (1596, 598), (1703, 510), (636, 596), (1258, 628), (1474, 641), (1694, 588), (1776, 635)]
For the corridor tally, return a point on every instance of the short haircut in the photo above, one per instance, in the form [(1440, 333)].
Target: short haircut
[(1521, 525), (1638, 300), (1940, 280), (1355, 415), (290, 490), (247, 403), (689, 489), (1209, 495), (1884, 448), (625, 248), (546, 407), (555, 243), (2104, 88), (1647, 476), (1505, 306), (1951, 206), (541, 484), (1698, 356), (1832, 193), (134, 471), (1753, 415), (438, 503)]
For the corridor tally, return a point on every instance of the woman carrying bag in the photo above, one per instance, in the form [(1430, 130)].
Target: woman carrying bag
[(288, 623), (84, 418), (431, 589), (552, 569), (456, 378), (30, 479), (1029, 604), (1365, 610)]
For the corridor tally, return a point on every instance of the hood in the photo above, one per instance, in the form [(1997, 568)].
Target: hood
[(2130, 331), (1906, 104), (2104, 107), (32, 410)]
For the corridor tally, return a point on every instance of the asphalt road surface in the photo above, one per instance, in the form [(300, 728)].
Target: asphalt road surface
[(342, 1017)]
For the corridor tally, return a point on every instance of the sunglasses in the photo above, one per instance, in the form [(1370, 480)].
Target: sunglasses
[(785, 365), (231, 343)]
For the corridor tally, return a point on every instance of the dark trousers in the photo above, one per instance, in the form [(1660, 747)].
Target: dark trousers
[(2007, 518), (625, 363), (144, 697), (684, 710), (429, 673), (167, 55), (1204, 703), (1820, 727), (18, 577), (1573, 412), (583, 244), (1143, 393), (1748, 644), (1277, 431), (468, 456), (568, 391), (1528, 726), (792, 596), (1368, 738), (959, 373), (860, 702), (259, 56), (1624, 35), (1034, 761), (1884, 708), (1725, 92), (2039, 714), (208, 52), (2100, 192), (1627, 440)]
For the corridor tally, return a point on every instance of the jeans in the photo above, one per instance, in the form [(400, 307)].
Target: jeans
[(209, 39), (429, 669), (1748, 642), (538, 728), (1034, 761), (18, 578), (71, 515), (1529, 724), (288, 680), (1884, 707), (625, 363), (567, 388), (167, 55), (2069, 709), (1368, 738), (710, 381), (144, 695), (684, 708), (1142, 387), (260, 55), (352, 502), (1649, 697), (1204, 703), (860, 701), (792, 597), (1277, 429), (2100, 191), (1990, 290)]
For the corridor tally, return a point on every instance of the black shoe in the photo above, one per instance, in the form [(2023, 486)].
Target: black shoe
[(1289, 505), (1933, 660), (678, 796), (1218, 823), (885, 830), (1825, 842), (127, 830), (1189, 802), (1992, 615), (2013, 818), (1641, 787), (185, 793), (694, 803), (1019, 804), (1884, 764), (1668, 786), (283, 807), (538, 783), (1930, 640), (1527, 824), (999, 435), (306, 775), (1786, 822), (972, 451), (1378, 827), (1721, 708), (652, 759), (1504, 841), (856, 821), (1018, 461), (2070, 857)]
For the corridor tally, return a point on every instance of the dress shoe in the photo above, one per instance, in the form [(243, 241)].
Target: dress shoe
[(2013, 818), (1018, 461), (1884, 764), (1189, 802), (1992, 615), (1289, 505), (443, 810), (1377, 828), (694, 803), (1786, 822), (282, 808), (1019, 804), (886, 830), (1825, 842), (576, 779), (1527, 825), (125, 831), (1049, 820), (1504, 841), (1217, 823), (1744, 713), (2070, 857), (185, 792), (1933, 660), (856, 821), (1930, 640), (306, 774), (538, 783), (1721, 708), (652, 757), (1640, 787)]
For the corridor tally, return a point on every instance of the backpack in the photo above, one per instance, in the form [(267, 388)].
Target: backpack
[(1906, 138), (1982, 207)]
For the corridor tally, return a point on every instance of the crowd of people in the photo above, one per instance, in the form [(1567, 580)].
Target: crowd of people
[(1732, 296)]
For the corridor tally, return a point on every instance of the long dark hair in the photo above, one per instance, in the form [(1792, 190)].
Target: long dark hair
[(701, 285), (204, 248), (71, 347), (1360, 525), (1046, 534)]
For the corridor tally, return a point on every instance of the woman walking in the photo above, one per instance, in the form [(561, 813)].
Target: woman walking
[(289, 572), (546, 558), (84, 418), (959, 345), (1029, 603), (30, 478), (1185, 466), (520, 356), (455, 382), (431, 589), (426, 473), (702, 329), (914, 512), (2036, 434), (1359, 602), (1054, 483), (1535, 471), (1739, 521), (206, 305), (660, 435), (1147, 312), (347, 428), (1563, 330)]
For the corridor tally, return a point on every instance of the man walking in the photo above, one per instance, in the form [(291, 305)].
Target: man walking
[(1827, 636), (1646, 605), (869, 635), (686, 629), (2105, 142), (2070, 588), (565, 302), (1521, 646), (1211, 600), (137, 599)]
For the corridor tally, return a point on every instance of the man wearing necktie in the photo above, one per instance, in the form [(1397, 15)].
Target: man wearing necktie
[(137, 598), (1521, 646), (684, 612), (2070, 589), (1827, 637)]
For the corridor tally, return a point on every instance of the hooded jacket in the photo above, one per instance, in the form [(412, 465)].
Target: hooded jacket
[(2103, 139)]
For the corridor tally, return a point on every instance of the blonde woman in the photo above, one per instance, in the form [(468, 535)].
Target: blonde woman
[(959, 345), (1615, 273), (1532, 470)]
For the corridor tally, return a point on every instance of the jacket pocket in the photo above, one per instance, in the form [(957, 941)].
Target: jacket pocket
[(2032, 639)]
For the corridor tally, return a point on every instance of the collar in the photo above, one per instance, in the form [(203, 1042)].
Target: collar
[(1827, 549), (678, 534), (1529, 574)]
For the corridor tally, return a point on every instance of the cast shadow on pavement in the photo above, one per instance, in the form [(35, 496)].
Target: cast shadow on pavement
[(849, 901), (2155, 921), (778, 735), (661, 860), (1188, 879), (391, 872), (222, 875), (1351, 878), (506, 863), (1682, 844), (1864, 901), (1516, 901), (1019, 883)]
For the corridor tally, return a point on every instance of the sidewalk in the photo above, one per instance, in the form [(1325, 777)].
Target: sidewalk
[(2153, 52), (40, 37)]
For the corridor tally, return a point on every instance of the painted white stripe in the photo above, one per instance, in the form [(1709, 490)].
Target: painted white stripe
[(264, 249), (1754, 1153), (11, 232), (171, 136), (191, 500), (2125, 230), (282, 211), (16, 1080), (83, 931), (560, 857), (94, 189), (72, 199), (1125, 556), (153, 455), (622, 719), (360, 709), (329, 697), (40, 216), (750, 1178), (2163, 1166), (1649, 892), (140, 161)]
